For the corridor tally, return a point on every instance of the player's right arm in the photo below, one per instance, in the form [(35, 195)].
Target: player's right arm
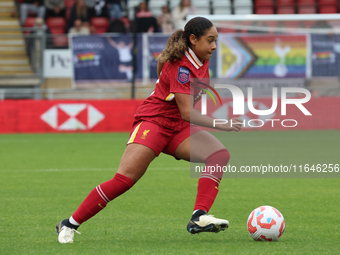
[(189, 114)]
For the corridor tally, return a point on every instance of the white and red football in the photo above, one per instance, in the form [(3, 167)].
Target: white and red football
[(266, 223)]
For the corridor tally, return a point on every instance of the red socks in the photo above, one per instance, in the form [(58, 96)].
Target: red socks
[(208, 183), (100, 196), (206, 192)]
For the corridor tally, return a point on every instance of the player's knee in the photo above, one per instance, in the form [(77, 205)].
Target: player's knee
[(220, 157)]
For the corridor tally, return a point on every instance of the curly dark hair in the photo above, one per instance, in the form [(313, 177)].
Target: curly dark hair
[(179, 41)]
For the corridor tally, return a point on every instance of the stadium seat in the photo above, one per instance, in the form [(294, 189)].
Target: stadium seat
[(56, 25), (227, 30), (328, 9), (292, 24), (202, 6), (29, 23), (222, 7), (285, 9), (243, 10), (264, 3), (243, 3), (60, 40), (306, 2), (271, 23), (328, 2), (222, 11), (101, 24), (309, 23), (264, 10), (307, 9), (285, 2), (203, 11), (57, 31), (226, 3)]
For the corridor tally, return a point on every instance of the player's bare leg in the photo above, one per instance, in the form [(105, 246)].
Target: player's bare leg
[(133, 165), (202, 147), (135, 161)]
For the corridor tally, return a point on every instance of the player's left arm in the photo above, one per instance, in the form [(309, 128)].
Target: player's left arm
[(189, 114)]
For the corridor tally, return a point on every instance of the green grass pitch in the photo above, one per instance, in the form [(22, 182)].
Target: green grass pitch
[(45, 177)]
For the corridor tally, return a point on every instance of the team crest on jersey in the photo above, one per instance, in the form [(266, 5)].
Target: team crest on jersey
[(183, 75), (145, 133)]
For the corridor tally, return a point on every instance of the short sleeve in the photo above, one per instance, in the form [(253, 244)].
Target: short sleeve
[(180, 80)]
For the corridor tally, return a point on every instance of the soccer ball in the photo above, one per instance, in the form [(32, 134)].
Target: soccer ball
[(266, 223)]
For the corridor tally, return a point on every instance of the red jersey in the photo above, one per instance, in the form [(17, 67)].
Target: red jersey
[(161, 107)]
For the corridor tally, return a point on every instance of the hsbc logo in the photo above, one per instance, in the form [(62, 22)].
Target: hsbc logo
[(70, 117)]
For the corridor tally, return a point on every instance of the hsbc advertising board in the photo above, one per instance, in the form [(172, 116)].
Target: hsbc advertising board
[(44, 116)]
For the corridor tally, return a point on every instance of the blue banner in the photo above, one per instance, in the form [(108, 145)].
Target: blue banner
[(105, 58), (156, 45), (325, 55)]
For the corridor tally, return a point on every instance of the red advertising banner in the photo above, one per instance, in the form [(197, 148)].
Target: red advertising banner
[(36, 116), (43, 116)]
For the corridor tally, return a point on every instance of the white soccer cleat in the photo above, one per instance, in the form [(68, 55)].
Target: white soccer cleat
[(65, 234), (207, 223)]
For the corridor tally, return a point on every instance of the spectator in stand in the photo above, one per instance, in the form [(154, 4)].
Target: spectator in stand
[(40, 27), (145, 20), (143, 11), (79, 11), (117, 26), (34, 43), (54, 8), (79, 28), (165, 21), (91, 28), (114, 9), (36, 6), (181, 12)]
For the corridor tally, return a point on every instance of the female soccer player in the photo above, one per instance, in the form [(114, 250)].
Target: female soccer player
[(162, 124)]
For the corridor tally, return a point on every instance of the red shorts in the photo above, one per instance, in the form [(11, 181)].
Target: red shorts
[(158, 138)]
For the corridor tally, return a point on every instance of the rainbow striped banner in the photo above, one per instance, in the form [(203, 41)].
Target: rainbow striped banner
[(88, 56), (323, 55), (263, 56)]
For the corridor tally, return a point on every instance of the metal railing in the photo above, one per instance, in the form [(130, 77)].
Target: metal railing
[(78, 93)]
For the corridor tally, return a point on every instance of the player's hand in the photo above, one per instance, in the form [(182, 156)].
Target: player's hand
[(234, 124)]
